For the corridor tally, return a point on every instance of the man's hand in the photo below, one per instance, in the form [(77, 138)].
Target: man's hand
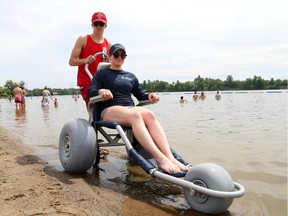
[(89, 59)]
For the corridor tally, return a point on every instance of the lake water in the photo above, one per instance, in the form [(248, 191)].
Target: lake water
[(245, 132)]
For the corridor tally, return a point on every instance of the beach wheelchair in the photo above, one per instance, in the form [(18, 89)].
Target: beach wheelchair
[(207, 187)]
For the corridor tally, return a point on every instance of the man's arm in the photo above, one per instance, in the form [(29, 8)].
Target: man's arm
[(76, 51)]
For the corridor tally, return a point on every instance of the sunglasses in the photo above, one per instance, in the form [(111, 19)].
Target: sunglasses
[(116, 55), (98, 24)]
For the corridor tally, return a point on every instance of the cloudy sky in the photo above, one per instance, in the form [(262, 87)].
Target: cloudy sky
[(165, 39)]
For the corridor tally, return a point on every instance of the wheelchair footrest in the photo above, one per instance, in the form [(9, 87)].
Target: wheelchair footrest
[(153, 162)]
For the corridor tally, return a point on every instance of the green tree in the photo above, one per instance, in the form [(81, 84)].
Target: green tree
[(228, 83), (199, 84), (257, 83)]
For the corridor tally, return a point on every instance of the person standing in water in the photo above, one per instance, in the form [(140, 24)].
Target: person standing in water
[(24, 93), (218, 96), (202, 96), (17, 91), (45, 97), (195, 96)]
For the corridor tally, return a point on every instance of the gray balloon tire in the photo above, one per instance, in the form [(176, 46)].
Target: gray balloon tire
[(77, 146), (214, 177)]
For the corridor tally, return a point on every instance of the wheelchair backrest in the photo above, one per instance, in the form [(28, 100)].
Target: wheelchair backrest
[(103, 65), (97, 106)]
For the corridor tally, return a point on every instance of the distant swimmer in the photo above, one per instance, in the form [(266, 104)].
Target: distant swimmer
[(202, 96), (55, 102), (75, 97), (182, 100), (195, 96), (218, 96), (9, 97)]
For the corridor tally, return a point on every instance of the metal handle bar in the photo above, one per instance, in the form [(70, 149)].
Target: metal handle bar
[(95, 55)]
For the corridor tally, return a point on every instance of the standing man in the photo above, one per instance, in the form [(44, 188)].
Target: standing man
[(84, 49), (17, 91), (82, 53)]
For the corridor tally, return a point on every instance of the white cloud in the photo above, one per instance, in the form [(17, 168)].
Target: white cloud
[(165, 40)]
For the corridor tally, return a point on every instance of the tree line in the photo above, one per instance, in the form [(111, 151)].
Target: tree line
[(7, 89), (208, 84), (198, 84)]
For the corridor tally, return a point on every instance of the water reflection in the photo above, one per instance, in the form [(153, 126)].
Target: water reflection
[(45, 110), (20, 115)]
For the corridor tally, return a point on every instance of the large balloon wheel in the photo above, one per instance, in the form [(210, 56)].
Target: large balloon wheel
[(77, 146), (213, 177)]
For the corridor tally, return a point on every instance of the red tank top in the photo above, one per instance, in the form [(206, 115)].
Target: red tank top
[(90, 49)]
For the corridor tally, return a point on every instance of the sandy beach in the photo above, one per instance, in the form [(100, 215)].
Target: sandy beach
[(29, 187)]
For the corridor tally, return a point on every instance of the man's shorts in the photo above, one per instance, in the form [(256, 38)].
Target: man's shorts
[(84, 93), (18, 99)]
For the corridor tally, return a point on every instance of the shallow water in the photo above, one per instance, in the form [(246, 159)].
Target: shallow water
[(245, 132)]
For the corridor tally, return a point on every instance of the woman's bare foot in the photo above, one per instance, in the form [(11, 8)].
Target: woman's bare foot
[(181, 166), (168, 166)]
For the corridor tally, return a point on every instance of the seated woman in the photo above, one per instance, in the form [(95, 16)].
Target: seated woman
[(116, 87)]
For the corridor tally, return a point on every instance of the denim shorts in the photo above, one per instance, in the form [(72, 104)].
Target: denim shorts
[(104, 111)]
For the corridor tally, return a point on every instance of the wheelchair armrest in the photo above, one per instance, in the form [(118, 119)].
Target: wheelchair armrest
[(144, 103), (98, 98), (95, 99)]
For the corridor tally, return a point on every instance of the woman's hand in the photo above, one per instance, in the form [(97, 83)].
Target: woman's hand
[(105, 93), (153, 97)]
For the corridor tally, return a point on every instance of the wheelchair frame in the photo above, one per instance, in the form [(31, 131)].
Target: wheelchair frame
[(207, 187)]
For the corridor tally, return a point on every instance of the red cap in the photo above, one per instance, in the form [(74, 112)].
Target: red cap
[(99, 16)]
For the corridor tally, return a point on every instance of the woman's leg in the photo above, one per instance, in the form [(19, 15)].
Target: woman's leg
[(133, 118), (158, 135)]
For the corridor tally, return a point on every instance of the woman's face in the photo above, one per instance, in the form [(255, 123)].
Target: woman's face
[(117, 58)]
